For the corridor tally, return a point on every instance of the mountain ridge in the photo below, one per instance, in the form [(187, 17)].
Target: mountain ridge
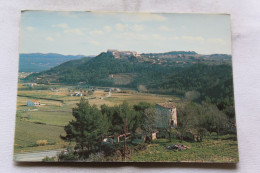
[(36, 62)]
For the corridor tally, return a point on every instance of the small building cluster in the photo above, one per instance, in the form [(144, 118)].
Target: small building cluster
[(30, 84), (112, 90), (33, 103), (77, 94), (122, 54)]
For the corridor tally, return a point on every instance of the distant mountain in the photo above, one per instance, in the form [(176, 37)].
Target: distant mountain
[(37, 62)]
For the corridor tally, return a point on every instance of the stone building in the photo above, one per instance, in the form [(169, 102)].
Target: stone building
[(166, 115)]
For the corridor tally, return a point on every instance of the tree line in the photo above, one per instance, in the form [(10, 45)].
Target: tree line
[(91, 125)]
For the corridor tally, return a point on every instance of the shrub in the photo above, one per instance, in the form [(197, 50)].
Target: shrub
[(48, 159), (68, 155), (140, 147), (41, 142), (97, 157)]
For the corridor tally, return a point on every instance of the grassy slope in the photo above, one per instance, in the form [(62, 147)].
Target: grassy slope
[(223, 149), (27, 133), (55, 115)]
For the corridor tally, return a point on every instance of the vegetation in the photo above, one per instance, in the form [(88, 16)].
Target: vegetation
[(49, 159), (196, 123), (41, 142), (90, 127), (87, 130), (223, 149), (213, 82)]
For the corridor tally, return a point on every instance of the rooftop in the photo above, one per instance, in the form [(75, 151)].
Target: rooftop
[(168, 105)]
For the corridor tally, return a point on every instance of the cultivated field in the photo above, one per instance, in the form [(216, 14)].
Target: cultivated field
[(46, 122)]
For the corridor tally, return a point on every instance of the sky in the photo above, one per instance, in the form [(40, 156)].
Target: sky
[(90, 33)]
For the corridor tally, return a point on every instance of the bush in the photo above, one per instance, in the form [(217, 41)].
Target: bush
[(68, 155), (41, 142), (109, 149), (97, 157), (140, 147), (48, 159)]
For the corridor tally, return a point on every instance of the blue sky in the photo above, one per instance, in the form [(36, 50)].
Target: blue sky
[(90, 33)]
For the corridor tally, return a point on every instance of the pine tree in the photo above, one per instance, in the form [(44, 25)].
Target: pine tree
[(87, 130)]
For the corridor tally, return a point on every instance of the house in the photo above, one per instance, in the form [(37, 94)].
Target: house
[(111, 76), (107, 90), (166, 115), (115, 89), (33, 103), (79, 94)]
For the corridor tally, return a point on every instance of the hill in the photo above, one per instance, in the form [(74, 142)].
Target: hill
[(210, 75), (36, 62)]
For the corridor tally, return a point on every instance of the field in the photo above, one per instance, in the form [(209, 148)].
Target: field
[(211, 149), (46, 122)]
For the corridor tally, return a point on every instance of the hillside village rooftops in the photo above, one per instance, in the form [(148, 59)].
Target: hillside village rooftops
[(168, 105)]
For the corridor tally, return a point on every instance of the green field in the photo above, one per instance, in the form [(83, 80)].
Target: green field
[(27, 134), (211, 149), (46, 122)]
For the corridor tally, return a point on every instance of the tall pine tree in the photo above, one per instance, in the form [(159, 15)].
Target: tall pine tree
[(87, 130)]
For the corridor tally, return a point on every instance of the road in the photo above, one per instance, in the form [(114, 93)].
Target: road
[(35, 156)]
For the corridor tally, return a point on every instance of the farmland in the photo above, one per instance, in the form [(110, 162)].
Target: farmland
[(210, 149), (47, 121)]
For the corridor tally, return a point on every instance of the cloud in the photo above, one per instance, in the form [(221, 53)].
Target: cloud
[(165, 28), (158, 37), (108, 28), (173, 38), (95, 43), (96, 32), (183, 27), (191, 38), (132, 36), (61, 25), (138, 28), (76, 31), (121, 27), (30, 28), (49, 38)]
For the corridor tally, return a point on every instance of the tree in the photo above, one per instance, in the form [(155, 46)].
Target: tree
[(149, 124), (87, 130), (187, 119), (216, 120)]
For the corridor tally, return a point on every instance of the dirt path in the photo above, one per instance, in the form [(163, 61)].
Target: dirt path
[(35, 156)]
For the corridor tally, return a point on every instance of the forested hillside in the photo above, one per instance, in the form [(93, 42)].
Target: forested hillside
[(207, 81)]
